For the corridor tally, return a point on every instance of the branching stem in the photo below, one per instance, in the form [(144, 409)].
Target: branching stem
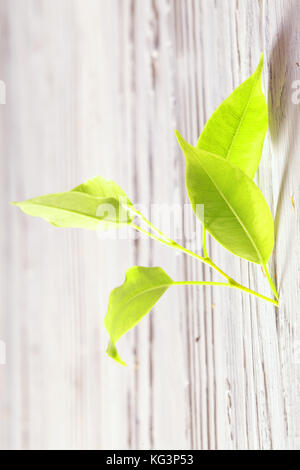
[(165, 240), (265, 267), (226, 284)]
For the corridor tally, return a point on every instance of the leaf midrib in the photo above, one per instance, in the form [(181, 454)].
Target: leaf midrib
[(241, 120), (231, 208), (162, 286), (68, 211)]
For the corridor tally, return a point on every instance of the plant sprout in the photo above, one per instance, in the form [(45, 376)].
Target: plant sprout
[(219, 176)]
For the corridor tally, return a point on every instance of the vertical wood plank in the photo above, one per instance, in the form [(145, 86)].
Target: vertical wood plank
[(98, 87)]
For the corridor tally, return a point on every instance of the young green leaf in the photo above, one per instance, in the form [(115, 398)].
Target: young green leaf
[(130, 302), (237, 129), (102, 187), (98, 203), (236, 213)]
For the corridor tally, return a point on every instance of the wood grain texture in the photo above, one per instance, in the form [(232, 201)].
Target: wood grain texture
[(98, 87)]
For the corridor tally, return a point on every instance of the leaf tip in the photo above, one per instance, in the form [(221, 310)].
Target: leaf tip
[(260, 64), (113, 354), (180, 139)]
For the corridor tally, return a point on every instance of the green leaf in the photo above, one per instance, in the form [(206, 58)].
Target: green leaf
[(130, 302), (102, 187), (236, 213), (98, 203), (237, 129)]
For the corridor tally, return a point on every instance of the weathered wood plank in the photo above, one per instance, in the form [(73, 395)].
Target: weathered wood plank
[(98, 87)]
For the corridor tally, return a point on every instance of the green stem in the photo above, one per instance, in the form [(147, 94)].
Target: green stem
[(171, 243), (147, 222), (232, 284), (178, 247), (204, 243), (270, 281), (236, 285), (152, 235)]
